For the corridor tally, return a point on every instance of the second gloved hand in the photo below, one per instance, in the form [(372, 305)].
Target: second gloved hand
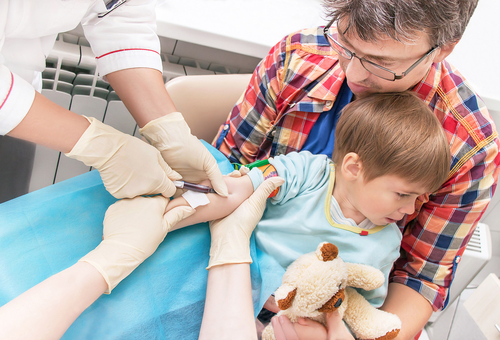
[(128, 166), (182, 151), (231, 235), (133, 230)]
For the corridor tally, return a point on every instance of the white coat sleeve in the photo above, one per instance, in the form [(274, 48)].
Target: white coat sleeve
[(16, 94), (124, 38), (16, 98)]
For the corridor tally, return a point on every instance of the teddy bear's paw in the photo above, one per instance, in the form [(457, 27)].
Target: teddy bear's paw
[(268, 333), (366, 321), (390, 335)]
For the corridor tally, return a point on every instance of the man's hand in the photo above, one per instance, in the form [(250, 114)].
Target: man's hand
[(128, 166), (305, 329), (133, 230), (182, 151)]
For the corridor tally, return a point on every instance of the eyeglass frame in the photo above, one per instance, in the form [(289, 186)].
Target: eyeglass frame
[(326, 33)]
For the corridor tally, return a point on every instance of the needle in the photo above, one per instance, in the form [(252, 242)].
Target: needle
[(193, 187)]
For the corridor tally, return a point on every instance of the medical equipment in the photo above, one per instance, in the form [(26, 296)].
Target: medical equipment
[(194, 187)]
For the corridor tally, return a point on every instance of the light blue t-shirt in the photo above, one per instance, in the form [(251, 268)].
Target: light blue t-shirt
[(298, 218)]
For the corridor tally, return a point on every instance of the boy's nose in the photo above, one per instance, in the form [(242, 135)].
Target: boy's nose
[(408, 208)]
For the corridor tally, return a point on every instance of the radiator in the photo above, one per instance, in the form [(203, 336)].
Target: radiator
[(474, 258)]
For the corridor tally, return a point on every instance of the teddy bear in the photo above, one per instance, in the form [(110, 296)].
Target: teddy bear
[(321, 282)]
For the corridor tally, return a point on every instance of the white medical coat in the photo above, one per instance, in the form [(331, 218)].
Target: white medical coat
[(125, 38)]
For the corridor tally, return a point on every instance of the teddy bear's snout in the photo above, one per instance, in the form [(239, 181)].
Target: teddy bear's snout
[(334, 303)]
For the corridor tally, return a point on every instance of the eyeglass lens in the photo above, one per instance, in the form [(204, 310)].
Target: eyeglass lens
[(370, 67)]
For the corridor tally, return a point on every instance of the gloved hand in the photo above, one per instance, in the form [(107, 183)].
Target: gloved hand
[(128, 166), (133, 230), (182, 151), (231, 235)]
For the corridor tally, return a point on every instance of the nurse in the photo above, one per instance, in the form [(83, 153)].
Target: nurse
[(122, 36)]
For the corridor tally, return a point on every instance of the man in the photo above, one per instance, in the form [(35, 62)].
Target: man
[(296, 95)]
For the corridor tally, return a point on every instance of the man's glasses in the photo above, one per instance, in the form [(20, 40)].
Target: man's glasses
[(371, 67)]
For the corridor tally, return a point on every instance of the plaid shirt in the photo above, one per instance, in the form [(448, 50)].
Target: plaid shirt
[(300, 78)]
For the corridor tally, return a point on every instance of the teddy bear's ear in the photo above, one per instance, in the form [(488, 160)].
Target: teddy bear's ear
[(327, 251), (284, 296)]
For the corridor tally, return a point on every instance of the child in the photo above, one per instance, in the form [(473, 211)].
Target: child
[(389, 150)]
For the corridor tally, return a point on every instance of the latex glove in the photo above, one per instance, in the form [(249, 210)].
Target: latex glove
[(133, 230), (231, 235), (182, 151), (129, 167)]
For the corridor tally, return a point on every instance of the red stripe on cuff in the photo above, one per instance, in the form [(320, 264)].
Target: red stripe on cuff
[(128, 49), (10, 90)]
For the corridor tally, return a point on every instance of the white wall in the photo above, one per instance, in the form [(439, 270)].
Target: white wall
[(477, 55)]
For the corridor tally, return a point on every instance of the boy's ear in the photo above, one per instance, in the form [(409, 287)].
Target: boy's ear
[(351, 166)]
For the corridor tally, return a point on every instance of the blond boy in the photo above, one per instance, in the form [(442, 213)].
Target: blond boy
[(389, 150)]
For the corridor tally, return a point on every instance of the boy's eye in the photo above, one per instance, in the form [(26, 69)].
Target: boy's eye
[(402, 195)]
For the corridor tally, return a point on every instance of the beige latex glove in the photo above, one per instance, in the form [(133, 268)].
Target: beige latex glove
[(231, 235), (182, 151), (128, 166), (133, 230)]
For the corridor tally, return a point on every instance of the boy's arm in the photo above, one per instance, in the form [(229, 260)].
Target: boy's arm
[(239, 189)]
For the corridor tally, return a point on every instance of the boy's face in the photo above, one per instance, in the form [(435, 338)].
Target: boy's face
[(385, 199)]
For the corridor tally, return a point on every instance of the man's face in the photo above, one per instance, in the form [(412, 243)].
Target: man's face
[(389, 53)]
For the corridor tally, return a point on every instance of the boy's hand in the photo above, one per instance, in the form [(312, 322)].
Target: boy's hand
[(133, 230), (231, 235)]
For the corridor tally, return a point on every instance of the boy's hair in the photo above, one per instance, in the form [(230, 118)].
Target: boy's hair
[(402, 20), (394, 134)]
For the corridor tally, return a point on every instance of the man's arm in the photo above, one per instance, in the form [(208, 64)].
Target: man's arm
[(411, 307), (436, 238), (255, 112), (444, 224)]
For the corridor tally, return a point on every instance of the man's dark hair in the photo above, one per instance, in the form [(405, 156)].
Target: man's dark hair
[(402, 20)]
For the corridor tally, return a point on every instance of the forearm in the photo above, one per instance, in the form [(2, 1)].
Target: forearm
[(50, 125), (143, 92), (228, 310), (239, 188), (411, 307), (47, 310)]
